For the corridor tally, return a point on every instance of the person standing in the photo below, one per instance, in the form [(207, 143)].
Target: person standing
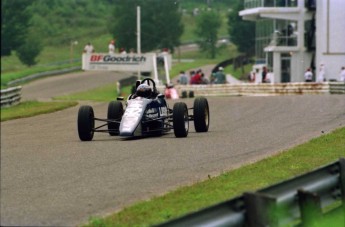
[(322, 73), (308, 75), (342, 74), (111, 47), (264, 74), (88, 49), (183, 78), (220, 77)]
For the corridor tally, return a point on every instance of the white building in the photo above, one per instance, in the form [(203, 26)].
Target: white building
[(293, 35)]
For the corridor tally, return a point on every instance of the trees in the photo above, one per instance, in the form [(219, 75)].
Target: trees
[(15, 18), (242, 32), (30, 48), (208, 25), (161, 25), (17, 32)]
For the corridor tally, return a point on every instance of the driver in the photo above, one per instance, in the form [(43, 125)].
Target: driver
[(144, 90)]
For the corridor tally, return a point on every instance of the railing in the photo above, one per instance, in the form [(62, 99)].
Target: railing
[(249, 4), (303, 199), (10, 96), (44, 74)]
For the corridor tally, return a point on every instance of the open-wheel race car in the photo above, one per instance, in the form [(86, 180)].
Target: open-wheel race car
[(145, 113)]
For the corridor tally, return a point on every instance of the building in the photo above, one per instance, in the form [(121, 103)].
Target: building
[(293, 35)]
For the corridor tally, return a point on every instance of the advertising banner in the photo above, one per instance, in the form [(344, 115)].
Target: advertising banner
[(119, 62)]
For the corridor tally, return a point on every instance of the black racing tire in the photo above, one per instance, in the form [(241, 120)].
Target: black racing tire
[(115, 112), (201, 114), (180, 119), (191, 94), (184, 94), (86, 123)]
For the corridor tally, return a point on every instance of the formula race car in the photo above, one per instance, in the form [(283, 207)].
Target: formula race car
[(146, 113)]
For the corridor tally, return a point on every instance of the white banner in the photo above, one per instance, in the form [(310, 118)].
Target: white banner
[(118, 62)]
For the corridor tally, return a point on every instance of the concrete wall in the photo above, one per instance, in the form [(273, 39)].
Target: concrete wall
[(330, 36), (261, 89)]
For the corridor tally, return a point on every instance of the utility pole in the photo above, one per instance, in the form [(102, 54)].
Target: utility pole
[(138, 36)]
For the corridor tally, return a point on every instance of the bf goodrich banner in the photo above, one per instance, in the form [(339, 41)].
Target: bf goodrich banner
[(118, 62)]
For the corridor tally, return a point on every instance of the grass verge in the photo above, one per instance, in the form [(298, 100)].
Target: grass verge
[(32, 108), (290, 163), (104, 93)]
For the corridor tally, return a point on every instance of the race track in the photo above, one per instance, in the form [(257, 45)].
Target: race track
[(50, 178)]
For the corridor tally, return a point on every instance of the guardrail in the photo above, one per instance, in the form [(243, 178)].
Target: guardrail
[(301, 199), (44, 74), (129, 81), (10, 96), (250, 89)]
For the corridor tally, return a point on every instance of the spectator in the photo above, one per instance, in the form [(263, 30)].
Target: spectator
[(183, 78), (308, 75), (204, 80), (88, 49), (269, 76), (322, 73), (123, 51), (342, 74), (191, 74), (212, 78), (264, 74), (220, 77), (111, 47), (252, 76), (196, 79)]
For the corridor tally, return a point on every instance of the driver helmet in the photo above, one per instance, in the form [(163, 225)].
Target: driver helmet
[(144, 90)]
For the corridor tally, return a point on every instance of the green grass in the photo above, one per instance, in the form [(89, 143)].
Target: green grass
[(287, 164), (225, 52), (32, 108), (105, 93), (238, 73)]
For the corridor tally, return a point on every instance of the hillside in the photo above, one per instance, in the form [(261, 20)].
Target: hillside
[(66, 26)]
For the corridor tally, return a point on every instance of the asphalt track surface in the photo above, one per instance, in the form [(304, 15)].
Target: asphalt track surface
[(50, 178)]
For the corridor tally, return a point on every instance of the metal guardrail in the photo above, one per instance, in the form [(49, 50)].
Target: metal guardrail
[(44, 74), (301, 198), (129, 81), (10, 96)]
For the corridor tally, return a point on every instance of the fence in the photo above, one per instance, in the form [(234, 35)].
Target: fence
[(10, 96), (247, 89), (43, 74), (302, 199)]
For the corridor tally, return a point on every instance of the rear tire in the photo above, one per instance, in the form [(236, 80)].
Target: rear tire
[(86, 123), (201, 114), (115, 112), (180, 119)]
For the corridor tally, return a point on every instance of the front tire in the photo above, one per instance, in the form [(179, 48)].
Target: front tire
[(180, 119), (115, 112), (86, 123), (201, 114)]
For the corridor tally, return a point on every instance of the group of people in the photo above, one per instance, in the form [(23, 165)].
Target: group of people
[(321, 77), (266, 75), (198, 77), (88, 49), (308, 75)]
